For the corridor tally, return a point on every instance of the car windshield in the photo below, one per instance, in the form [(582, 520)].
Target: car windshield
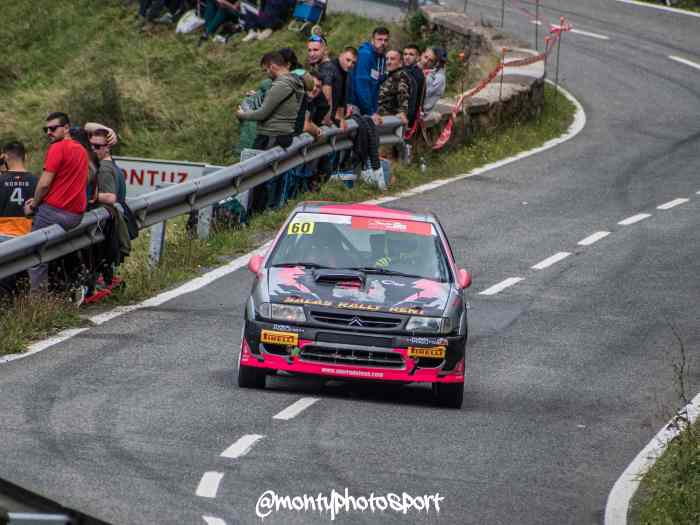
[(372, 245)]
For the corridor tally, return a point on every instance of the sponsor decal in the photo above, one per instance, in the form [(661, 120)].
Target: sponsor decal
[(359, 306), (279, 338), (301, 228), (321, 217), (389, 282), (352, 373), (427, 341), (405, 310), (300, 300), (287, 328), (434, 351), (392, 225)]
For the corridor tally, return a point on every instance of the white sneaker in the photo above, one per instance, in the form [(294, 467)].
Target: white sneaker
[(252, 35), (265, 33), (220, 39)]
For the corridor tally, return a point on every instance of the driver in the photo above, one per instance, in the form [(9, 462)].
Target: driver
[(400, 251)]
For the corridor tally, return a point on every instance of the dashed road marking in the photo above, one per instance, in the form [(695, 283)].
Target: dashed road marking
[(211, 520), (209, 484), (591, 239), (549, 261), (634, 218), (242, 446), (672, 204), (496, 288), (685, 61), (295, 409)]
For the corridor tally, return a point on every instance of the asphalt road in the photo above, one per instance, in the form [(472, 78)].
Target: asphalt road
[(571, 370)]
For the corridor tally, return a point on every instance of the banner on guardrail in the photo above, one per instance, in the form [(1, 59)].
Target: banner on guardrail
[(144, 175)]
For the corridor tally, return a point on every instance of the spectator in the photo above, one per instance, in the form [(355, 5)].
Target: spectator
[(317, 107), (218, 12), (81, 137), (411, 54), (433, 64), (271, 16), (278, 119), (395, 91), (316, 52), (336, 76), (111, 189), (16, 186), (60, 196), (107, 174), (370, 71), (150, 11)]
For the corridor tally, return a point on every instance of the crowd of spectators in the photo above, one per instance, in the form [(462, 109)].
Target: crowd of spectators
[(362, 84), (78, 175)]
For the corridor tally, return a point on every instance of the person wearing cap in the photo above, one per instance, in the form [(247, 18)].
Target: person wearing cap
[(60, 197)]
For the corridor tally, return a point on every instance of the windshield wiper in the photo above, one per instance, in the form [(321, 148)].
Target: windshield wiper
[(304, 264), (384, 271)]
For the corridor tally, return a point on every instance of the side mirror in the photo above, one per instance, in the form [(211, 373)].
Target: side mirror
[(464, 280), (255, 264)]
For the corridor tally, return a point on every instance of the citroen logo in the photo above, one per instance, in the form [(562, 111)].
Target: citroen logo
[(356, 321)]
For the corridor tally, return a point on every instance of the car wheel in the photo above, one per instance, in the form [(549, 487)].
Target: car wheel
[(449, 395)]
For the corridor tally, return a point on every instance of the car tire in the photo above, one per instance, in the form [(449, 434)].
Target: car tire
[(449, 395)]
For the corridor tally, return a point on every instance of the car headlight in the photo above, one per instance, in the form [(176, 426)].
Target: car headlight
[(430, 325), (282, 312)]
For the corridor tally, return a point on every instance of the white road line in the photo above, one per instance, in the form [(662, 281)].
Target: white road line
[(242, 446), (549, 261), (43, 345), (593, 238), (626, 485), (584, 33), (295, 409), (660, 7), (685, 61), (634, 218), (211, 520), (672, 204), (209, 484), (574, 129), (496, 288)]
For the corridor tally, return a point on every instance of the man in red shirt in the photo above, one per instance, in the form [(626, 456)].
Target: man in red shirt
[(61, 193)]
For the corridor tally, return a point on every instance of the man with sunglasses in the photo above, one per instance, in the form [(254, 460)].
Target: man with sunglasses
[(111, 187), (60, 197)]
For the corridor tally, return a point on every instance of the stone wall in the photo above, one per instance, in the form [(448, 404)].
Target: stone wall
[(516, 94)]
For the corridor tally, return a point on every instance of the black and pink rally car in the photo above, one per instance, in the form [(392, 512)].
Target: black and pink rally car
[(354, 291)]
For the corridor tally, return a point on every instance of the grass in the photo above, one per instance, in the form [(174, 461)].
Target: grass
[(670, 492)]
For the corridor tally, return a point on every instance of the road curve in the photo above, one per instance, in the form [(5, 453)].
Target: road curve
[(570, 368)]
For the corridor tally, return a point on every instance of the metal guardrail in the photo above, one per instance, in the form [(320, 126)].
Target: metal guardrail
[(50, 243)]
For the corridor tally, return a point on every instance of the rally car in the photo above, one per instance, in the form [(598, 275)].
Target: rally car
[(353, 291)]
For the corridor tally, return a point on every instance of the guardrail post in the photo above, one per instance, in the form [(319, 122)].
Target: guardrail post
[(203, 222), (155, 250)]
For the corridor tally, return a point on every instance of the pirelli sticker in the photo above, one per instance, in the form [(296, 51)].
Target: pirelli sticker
[(279, 338), (433, 351)]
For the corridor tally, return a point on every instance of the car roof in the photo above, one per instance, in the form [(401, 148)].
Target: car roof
[(364, 210)]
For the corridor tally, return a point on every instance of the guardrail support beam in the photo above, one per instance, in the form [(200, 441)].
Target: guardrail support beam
[(155, 250)]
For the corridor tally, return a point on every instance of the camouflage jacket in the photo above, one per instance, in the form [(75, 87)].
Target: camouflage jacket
[(394, 93)]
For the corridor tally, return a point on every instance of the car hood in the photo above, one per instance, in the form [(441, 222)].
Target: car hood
[(370, 292)]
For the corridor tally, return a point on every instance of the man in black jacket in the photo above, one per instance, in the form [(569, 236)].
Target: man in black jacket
[(337, 85), (411, 55)]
